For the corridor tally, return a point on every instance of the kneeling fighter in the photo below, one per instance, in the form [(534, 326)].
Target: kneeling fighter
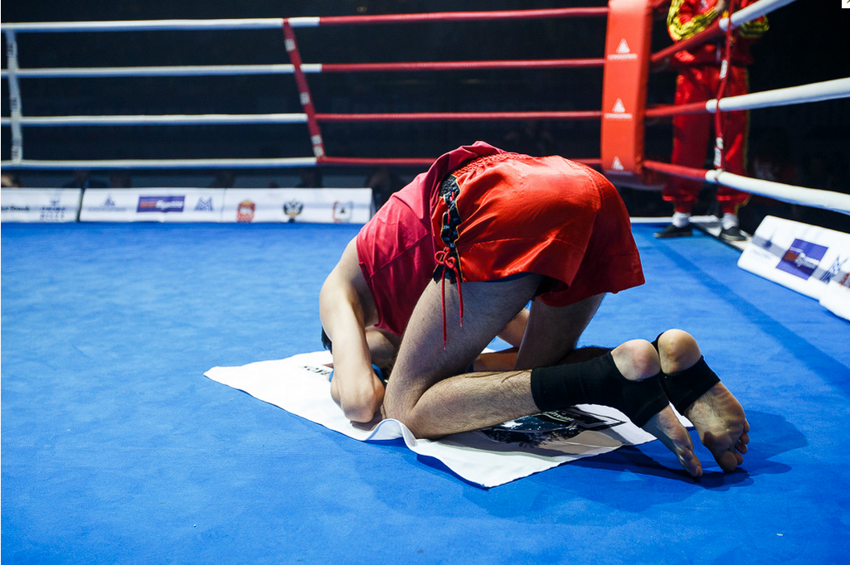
[(451, 261)]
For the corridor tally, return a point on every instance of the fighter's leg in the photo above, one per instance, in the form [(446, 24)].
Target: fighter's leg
[(543, 345), (716, 414), (553, 332), (560, 342), (425, 396), (428, 390)]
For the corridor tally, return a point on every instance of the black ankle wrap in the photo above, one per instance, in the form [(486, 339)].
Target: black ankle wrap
[(597, 381), (684, 387)]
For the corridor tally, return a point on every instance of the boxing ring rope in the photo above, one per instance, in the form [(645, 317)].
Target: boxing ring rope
[(816, 92), (794, 95), (810, 93), (296, 67)]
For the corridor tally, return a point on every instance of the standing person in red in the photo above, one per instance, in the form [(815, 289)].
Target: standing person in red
[(700, 80), (451, 260)]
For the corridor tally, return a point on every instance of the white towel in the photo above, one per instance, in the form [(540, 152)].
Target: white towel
[(488, 457)]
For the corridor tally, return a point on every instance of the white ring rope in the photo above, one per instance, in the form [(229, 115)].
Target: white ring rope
[(174, 119), (815, 92), (816, 198), (166, 164), (17, 148), (800, 94), (162, 25), (187, 70), (753, 12)]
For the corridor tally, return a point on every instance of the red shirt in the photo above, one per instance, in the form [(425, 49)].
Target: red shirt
[(396, 248)]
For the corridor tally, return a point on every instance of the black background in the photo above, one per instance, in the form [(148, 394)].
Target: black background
[(809, 41)]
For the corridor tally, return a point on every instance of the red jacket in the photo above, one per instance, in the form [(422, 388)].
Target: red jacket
[(687, 18)]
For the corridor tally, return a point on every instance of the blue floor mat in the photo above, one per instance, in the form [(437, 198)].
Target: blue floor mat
[(116, 449)]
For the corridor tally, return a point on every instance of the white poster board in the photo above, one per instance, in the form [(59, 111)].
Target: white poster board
[(40, 204), (804, 258), (152, 205), (303, 205)]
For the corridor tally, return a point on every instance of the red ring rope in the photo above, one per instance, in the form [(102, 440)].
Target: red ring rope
[(459, 116), (465, 16), (462, 65)]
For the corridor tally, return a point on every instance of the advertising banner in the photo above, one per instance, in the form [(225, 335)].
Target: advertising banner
[(801, 257), (836, 297), (307, 205), (152, 205), (40, 204)]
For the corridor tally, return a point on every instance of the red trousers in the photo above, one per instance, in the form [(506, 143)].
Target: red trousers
[(692, 134)]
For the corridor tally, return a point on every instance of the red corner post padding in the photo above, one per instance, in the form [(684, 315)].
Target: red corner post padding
[(627, 51)]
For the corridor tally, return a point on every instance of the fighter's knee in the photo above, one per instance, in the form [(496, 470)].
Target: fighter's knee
[(677, 350), (396, 408), (407, 418)]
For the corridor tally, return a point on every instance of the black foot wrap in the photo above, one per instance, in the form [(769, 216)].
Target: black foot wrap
[(597, 381), (685, 387)]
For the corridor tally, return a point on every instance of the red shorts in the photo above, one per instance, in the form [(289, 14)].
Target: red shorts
[(544, 215), (516, 214)]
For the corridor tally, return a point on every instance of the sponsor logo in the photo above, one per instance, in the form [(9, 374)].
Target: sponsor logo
[(52, 213), (204, 205), (13, 208), (617, 165), (802, 258), (622, 53), (161, 204), (245, 211), (618, 112), (324, 371), (292, 209), (833, 271), (343, 211), (108, 206)]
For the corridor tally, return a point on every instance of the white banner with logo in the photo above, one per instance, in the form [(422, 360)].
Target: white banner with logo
[(40, 204), (836, 297), (152, 205), (801, 257), (308, 205)]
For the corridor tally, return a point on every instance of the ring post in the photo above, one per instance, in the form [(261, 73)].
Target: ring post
[(627, 51), (14, 97)]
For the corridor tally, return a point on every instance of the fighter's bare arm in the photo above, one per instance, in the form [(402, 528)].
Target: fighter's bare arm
[(346, 309)]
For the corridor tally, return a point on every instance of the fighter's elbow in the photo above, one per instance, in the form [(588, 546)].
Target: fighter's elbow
[(357, 412), (361, 407)]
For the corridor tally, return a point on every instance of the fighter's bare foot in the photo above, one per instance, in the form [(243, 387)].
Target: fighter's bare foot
[(722, 426), (637, 360), (667, 428), (717, 415)]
